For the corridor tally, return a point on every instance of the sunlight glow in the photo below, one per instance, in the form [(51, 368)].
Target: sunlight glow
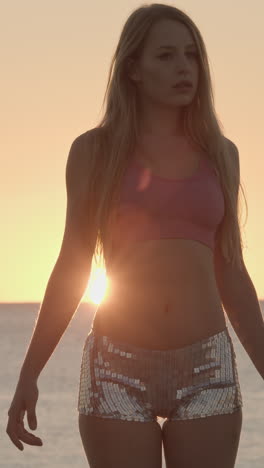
[(98, 286)]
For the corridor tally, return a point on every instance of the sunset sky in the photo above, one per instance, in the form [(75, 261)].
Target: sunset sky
[(55, 59)]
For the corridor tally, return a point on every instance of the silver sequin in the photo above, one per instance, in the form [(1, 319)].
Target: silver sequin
[(122, 381)]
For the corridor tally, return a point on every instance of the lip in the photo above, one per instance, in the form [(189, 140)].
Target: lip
[(183, 88)]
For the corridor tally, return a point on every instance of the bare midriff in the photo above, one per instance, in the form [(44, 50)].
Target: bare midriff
[(162, 295)]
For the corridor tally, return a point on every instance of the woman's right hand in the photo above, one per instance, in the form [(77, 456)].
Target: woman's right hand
[(24, 400)]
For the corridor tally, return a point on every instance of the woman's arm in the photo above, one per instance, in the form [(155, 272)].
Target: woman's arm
[(64, 291), (70, 275)]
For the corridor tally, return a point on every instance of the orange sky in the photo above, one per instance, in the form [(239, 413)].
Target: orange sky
[(55, 60)]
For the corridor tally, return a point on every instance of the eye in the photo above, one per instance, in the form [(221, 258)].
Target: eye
[(194, 54), (164, 55)]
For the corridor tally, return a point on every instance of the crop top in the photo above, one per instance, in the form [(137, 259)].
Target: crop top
[(153, 207)]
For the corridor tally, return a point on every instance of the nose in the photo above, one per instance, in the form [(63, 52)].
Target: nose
[(182, 63), (182, 72)]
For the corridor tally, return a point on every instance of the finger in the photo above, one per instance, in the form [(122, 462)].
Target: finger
[(27, 437), (17, 433), (22, 429), (26, 433), (15, 440), (31, 417), (30, 439)]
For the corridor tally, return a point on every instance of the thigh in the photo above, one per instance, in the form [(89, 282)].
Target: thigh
[(202, 442), (204, 426), (207, 383), (118, 443)]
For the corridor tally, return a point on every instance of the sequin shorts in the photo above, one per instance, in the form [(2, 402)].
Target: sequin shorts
[(123, 381)]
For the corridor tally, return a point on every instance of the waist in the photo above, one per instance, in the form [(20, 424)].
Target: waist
[(161, 321), (162, 293)]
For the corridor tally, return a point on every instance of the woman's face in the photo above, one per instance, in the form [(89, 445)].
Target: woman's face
[(159, 69)]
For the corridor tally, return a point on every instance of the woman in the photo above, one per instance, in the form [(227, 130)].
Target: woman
[(161, 182)]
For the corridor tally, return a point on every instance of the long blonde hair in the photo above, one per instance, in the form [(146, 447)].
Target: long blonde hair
[(115, 137)]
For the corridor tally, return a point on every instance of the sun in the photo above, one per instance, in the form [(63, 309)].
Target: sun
[(98, 286)]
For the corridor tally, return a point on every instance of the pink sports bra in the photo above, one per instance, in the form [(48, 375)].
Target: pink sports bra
[(153, 207)]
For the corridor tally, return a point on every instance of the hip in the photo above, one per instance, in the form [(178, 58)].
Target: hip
[(166, 382)]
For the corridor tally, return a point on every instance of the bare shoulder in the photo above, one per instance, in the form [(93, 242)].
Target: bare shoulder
[(78, 164), (80, 149), (84, 140), (234, 153)]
